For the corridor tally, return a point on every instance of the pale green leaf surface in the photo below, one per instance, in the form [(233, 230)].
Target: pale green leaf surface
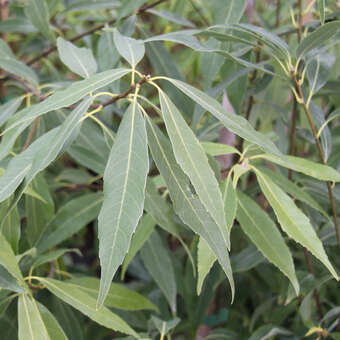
[(263, 232), (124, 191), (230, 201), (218, 149), (9, 108), (191, 157), (79, 60), (293, 221)]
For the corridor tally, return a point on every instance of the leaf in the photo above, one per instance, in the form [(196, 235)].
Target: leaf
[(58, 100), (234, 123), (263, 232), (156, 258), (7, 281), (38, 212), (10, 225), (170, 16), (205, 260), (233, 11), (31, 325), (293, 189), (72, 295), (37, 12), (309, 168), (317, 38), (186, 204), (217, 149), (52, 256), (78, 60), (321, 5), (144, 229), (230, 201), (293, 221), (70, 218), (9, 262), (8, 109), (118, 296), (124, 191), (190, 156), (52, 326), (246, 259), (88, 5), (130, 49), (164, 327)]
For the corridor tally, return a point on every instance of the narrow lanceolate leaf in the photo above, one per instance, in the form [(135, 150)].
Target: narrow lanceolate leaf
[(9, 261), (156, 258), (218, 149), (52, 326), (233, 11), (191, 157), (86, 304), (31, 325), (322, 10), (21, 120), (124, 187), (205, 260), (186, 204), (265, 235), (70, 218), (130, 49), (293, 221), (118, 297), (309, 168), (317, 38), (230, 201), (234, 123), (8, 282), (78, 60), (37, 12), (8, 109)]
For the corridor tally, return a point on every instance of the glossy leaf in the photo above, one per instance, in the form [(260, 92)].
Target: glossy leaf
[(293, 221), (124, 191), (186, 204), (78, 299), (263, 232), (78, 60), (190, 156)]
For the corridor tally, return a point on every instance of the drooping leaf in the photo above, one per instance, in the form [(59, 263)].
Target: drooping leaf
[(7, 281), (157, 261), (124, 191), (205, 260), (263, 232), (186, 204), (130, 49), (8, 109), (118, 297), (37, 12), (31, 325), (52, 256), (170, 16), (293, 221), (218, 149), (69, 219), (230, 201), (234, 123), (78, 299), (190, 156), (78, 60)]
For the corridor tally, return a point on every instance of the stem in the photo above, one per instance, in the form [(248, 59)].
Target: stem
[(278, 12), (292, 145), (4, 13), (300, 24)]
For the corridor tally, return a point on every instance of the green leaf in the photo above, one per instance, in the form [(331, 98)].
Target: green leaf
[(52, 326), (10, 225), (246, 259), (58, 100), (88, 5), (8, 109), (233, 11), (52, 256), (309, 168), (191, 157), (156, 258), (186, 204), (217, 149), (130, 49), (69, 219), (37, 12), (78, 60), (78, 299), (7, 281), (144, 229), (263, 232), (293, 189), (31, 325), (118, 296), (293, 221), (234, 123), (317, 38), (9, 261), (164, 327), (124, 191), (170, 16), (230, 201), (205, 260), (38, 212)]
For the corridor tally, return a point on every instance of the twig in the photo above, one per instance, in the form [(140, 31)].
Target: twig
[(300, 24), (278, 12)]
